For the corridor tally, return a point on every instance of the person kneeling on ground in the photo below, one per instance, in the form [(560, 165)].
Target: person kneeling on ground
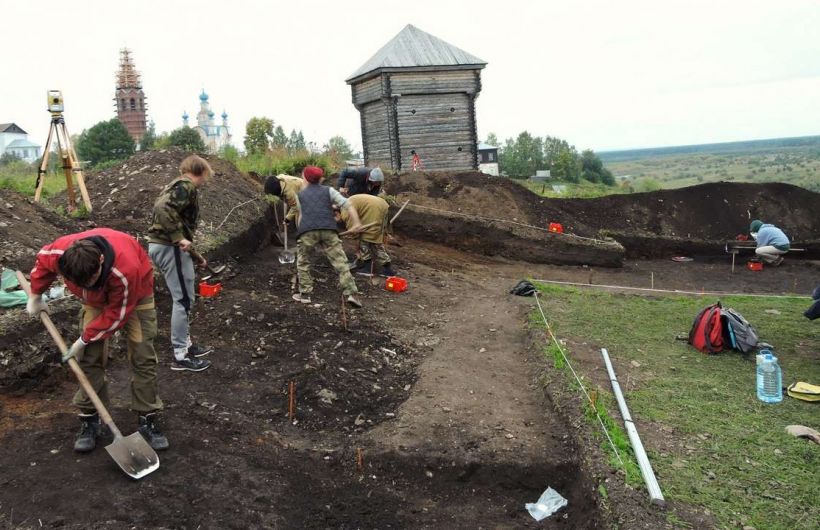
[(813, 312), (112, 275), (772, 243), (170, 238), (316, 227), (371, 210)]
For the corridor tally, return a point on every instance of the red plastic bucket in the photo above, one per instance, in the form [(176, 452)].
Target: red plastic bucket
[(395, 284), (754, 265), (556, 227), (207, 290)]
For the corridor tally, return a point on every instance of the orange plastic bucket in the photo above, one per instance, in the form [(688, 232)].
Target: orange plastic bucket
[(207, 290), (556, 227), (754, 265), (395, 284)]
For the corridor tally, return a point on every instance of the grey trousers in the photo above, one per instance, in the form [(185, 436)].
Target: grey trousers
[(178, 269), (769, 253)]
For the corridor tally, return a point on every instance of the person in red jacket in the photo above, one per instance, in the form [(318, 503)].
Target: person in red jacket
[(114, 279)]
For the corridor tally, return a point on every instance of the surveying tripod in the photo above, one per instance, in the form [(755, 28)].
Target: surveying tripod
[(71, 165)]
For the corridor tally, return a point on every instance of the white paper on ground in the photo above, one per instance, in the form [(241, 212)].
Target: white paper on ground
[(549, 503)]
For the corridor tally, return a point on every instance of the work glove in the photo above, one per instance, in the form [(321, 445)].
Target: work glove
[(76, 350), (35, 305)]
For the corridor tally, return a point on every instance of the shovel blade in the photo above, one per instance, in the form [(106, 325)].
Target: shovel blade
[(287, 257), (134, 456)]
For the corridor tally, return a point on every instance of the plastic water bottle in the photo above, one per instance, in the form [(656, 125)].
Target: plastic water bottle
[(769, 378)]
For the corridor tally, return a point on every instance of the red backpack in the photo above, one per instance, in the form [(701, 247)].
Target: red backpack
[(707, 330)]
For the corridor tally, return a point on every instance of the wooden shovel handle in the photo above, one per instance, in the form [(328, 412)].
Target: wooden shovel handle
[(351, 232), (72, 363), (403, 206)]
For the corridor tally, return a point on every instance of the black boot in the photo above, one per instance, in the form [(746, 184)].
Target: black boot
[(387, 270), (89, 430), (149, 429)]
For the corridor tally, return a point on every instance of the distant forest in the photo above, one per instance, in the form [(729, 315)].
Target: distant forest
[(790, 160)]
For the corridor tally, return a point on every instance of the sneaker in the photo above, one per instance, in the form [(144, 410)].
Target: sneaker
[(300, 297), (387, 271), (354, 302), (193, 365), (196, 350), (353, 265), (149, 429), (777, 262), (90, 428)]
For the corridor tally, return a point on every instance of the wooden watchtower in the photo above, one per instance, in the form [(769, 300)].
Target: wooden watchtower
[(418, 94)]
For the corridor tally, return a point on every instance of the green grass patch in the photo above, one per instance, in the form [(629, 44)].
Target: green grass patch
[(23, 180), (570, 190), (723, 449)]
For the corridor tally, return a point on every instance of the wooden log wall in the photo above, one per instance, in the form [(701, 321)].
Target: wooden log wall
[(432, 113), (439, 128)]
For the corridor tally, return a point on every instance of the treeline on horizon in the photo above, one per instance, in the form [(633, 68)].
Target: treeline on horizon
[(717, 148)]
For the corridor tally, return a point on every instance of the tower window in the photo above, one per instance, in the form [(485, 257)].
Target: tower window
[(122, 102), (133, 104)]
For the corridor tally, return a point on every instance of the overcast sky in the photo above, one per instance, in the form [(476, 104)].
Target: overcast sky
[(602, 75)]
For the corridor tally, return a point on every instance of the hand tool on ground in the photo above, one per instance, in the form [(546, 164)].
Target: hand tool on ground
[(354, 232), (214, 271), (132, 453), (286, 255)]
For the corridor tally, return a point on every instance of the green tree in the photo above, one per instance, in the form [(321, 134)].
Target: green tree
[(492, 139), (337, 146), (523, 156), (187, 138), (149, 139), (104, 142), (296, 141), (593, 170), (258, 135), (280, 139)]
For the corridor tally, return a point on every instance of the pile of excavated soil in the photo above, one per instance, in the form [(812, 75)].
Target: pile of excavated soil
[(25, 227), (123, 197), (672, 220)]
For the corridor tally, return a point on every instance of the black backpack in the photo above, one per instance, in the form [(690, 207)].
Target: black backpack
[(523, 288)]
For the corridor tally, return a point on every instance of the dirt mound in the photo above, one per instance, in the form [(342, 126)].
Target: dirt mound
[(25, 227), (682, 219), (231, 205)]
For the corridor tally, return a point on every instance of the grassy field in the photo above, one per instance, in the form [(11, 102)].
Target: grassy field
[(794, 161), (22, 177), (713, 443)]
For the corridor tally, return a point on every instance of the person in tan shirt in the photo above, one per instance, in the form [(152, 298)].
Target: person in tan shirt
[(371, 209), (285, 187)]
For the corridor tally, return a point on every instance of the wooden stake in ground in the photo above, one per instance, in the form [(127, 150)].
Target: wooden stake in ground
[(291, 400), (652, 279), (344, 312), (359, 459)]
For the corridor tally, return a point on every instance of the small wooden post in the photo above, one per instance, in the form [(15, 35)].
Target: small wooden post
[(652, 279), (359, 459), (344, 313), (733, 261)]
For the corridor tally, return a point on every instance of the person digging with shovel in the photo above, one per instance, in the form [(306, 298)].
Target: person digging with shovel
[(113, 277), (372, 211), (170, 240), (316, 228)]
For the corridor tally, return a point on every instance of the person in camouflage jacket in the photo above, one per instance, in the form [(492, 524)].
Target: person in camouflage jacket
[(170, 238)]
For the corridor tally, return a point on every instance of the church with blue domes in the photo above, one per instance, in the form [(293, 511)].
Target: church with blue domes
[(215, 136)]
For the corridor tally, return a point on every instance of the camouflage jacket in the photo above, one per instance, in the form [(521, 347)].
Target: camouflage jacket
[(176, 213)]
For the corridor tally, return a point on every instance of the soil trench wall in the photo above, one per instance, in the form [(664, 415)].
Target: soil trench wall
[(511, 241)]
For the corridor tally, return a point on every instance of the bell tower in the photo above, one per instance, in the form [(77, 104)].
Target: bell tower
[(129, 97)]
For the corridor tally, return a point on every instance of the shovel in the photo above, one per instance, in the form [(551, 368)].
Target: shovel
[(132, 453), (286, 255), (214, 271)]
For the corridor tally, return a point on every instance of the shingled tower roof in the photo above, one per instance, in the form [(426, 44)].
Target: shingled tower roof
[(414, 48)]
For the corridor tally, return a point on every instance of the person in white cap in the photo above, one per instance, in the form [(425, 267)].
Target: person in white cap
[(354, 181)]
